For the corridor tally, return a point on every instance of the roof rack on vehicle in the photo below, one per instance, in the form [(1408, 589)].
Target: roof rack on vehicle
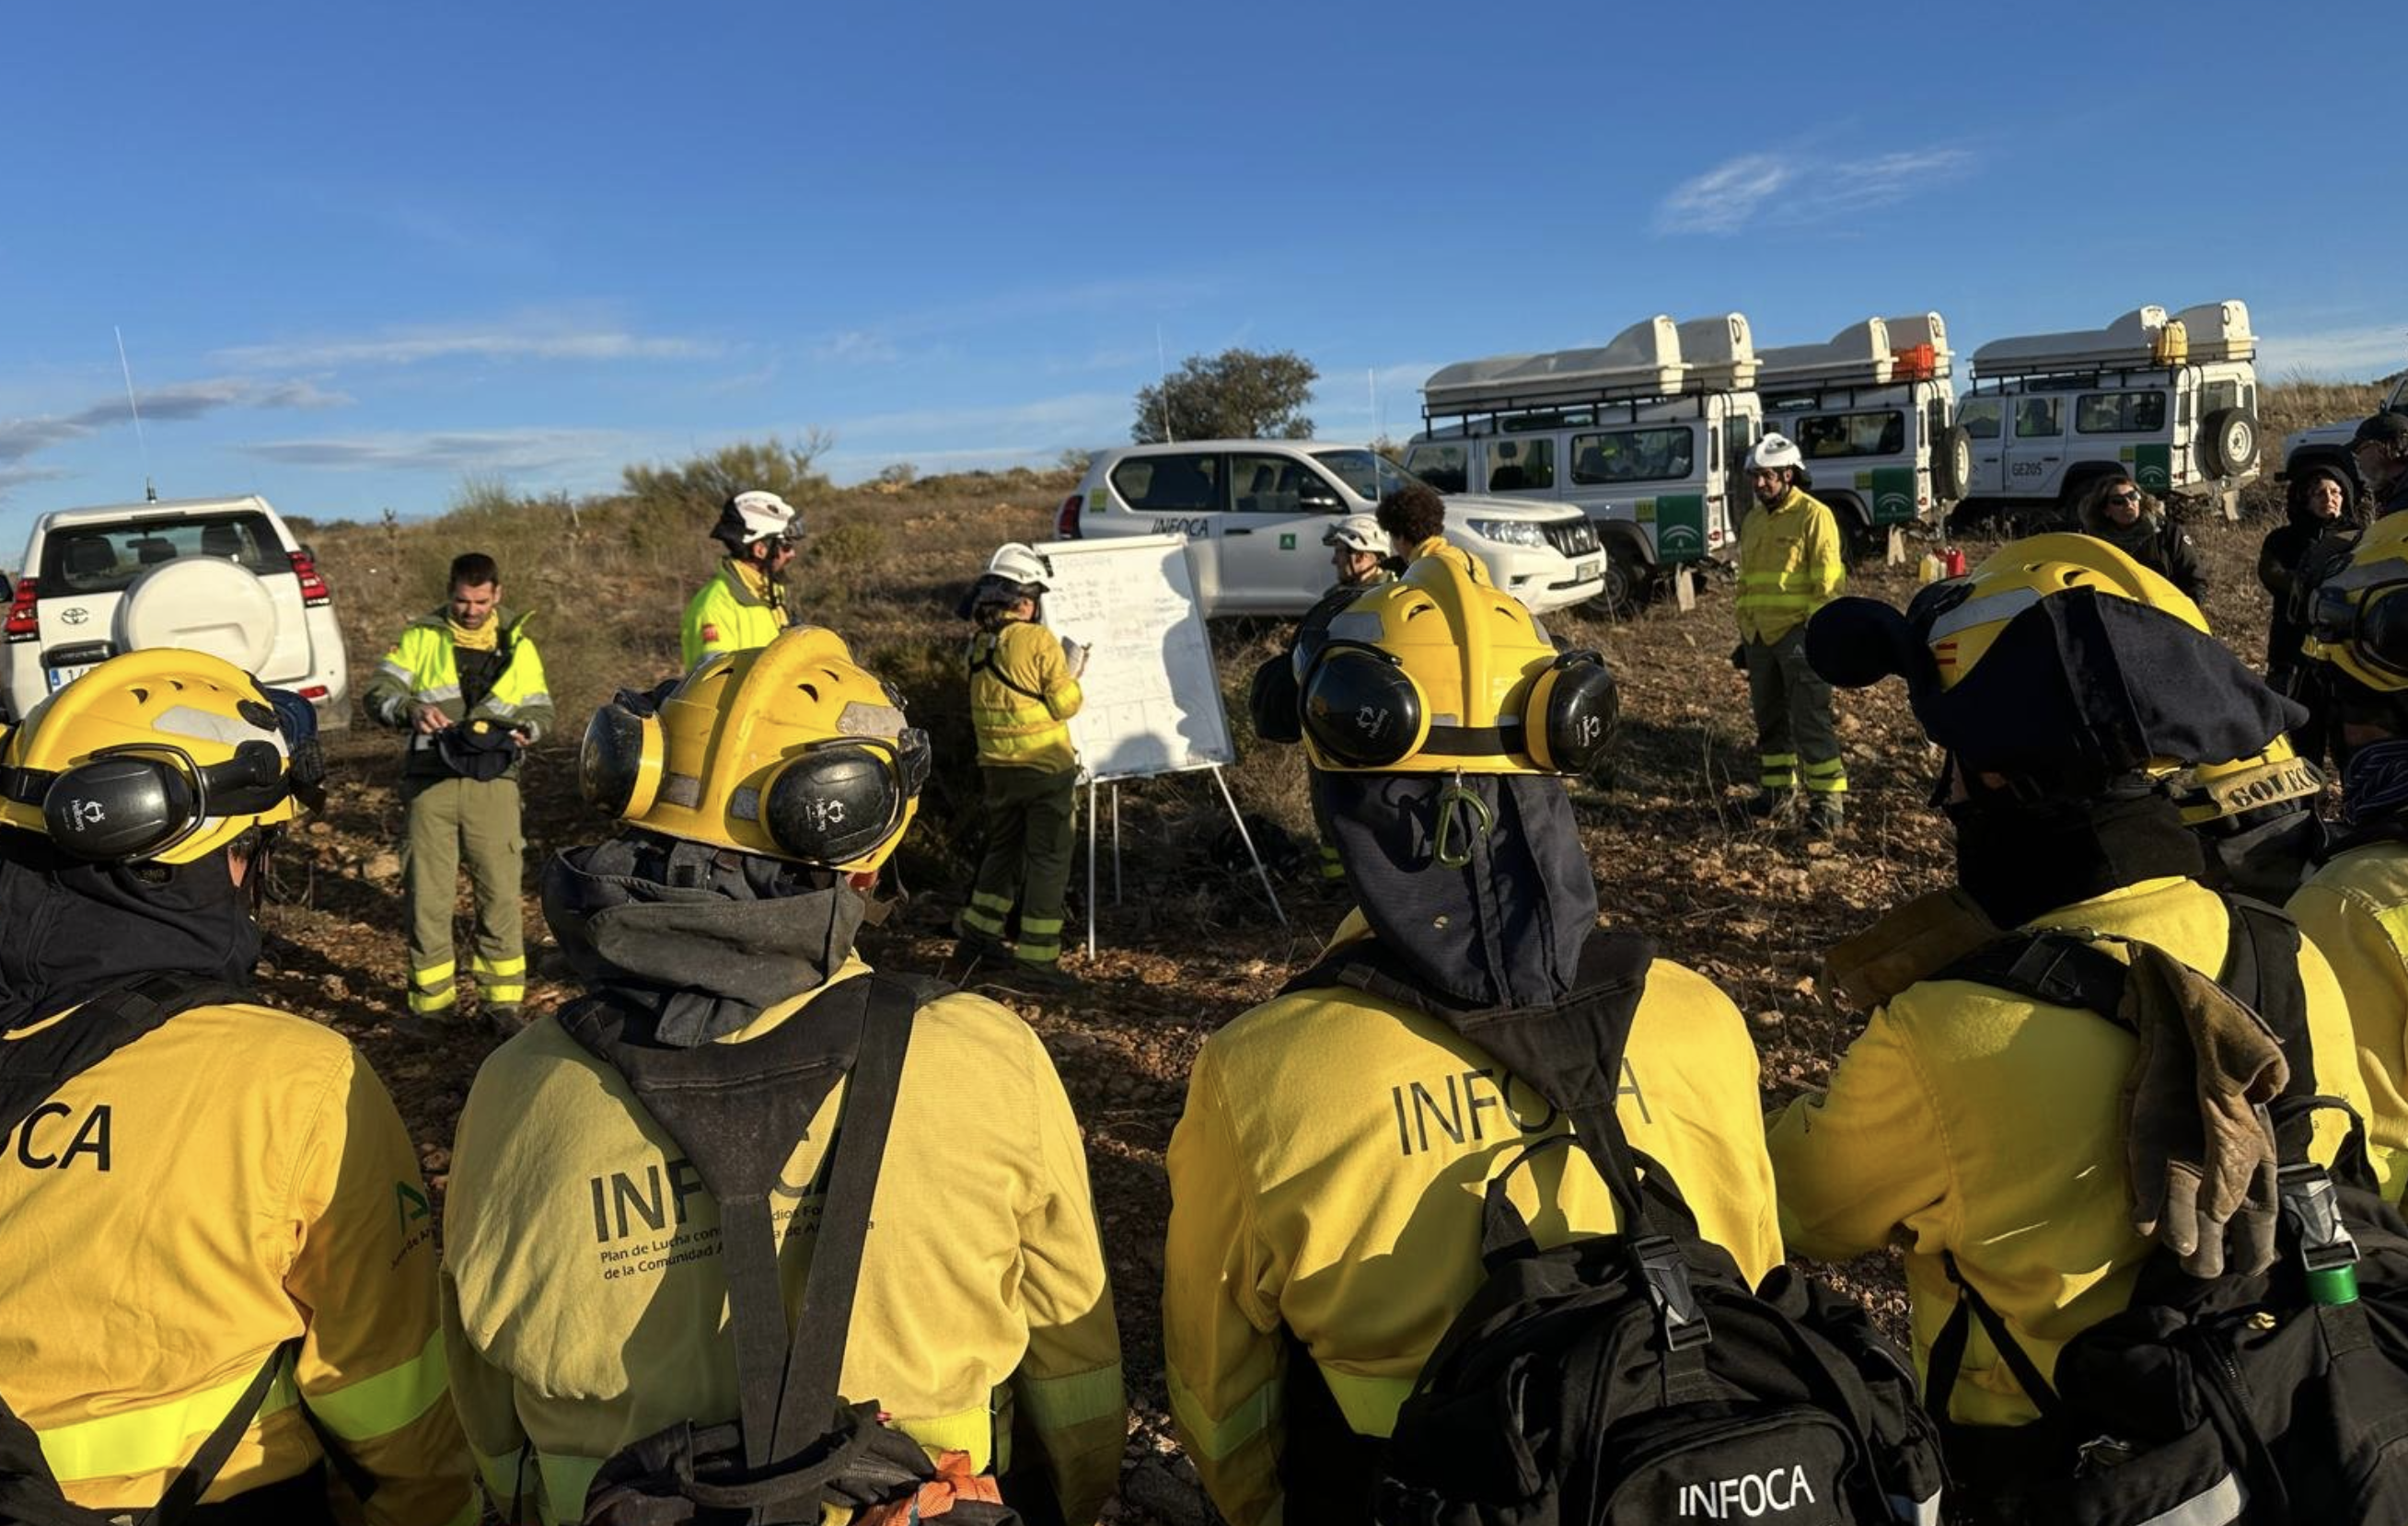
[(1875, 352), (1657, 357), (2143, 338)]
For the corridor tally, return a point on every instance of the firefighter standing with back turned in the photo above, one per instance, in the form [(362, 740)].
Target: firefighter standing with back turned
[(212, 1226), (1325, 1231), (1024, 689), (1789, 567), (467, 684), (588, 1272)]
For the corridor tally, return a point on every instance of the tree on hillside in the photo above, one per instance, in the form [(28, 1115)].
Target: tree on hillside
[(701, 484), (1238, 394)]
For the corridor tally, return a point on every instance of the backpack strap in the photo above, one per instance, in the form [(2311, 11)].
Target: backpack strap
[(1948, 1353), (2060, 969), (984, 662)]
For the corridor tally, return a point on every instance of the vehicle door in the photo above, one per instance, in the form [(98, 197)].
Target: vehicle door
[(1178, 493), (1272, 560), (1982, 416), (2128, 425), (2035, 442), (1522, 466)]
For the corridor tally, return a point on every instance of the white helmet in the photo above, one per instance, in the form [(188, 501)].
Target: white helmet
[(751, 517), (1357, 533), (1772, 452), (1017, 564)]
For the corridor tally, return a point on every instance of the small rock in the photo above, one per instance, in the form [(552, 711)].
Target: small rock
[(1769, 1018), (335, 986)]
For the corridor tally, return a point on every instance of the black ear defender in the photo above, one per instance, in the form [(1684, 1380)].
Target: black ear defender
[(1570, 715), (1273, 701), (838, 800), (1361, 708), (137, 802)]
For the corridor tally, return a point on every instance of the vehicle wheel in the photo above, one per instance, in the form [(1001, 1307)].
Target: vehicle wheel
[(1952, 464), (1627, 582), (202, 604), (2229, 444)]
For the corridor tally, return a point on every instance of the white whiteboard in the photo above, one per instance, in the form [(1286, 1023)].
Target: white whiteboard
[(1152, 700)]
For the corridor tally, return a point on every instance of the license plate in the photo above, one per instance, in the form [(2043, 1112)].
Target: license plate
[(61, 676)]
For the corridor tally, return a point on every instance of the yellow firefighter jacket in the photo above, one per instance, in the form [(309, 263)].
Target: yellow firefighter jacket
[(2356, 909), (1981, 1123), (1326, 1183), (1022, 697), (1790, 565), (171, 1216), (585, 1306), (739, 608)]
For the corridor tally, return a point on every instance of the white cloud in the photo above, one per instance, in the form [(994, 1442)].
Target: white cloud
[(1792, 189), (856, 347), (522, 339), (25, 436), (2376, 350), (504, 450)]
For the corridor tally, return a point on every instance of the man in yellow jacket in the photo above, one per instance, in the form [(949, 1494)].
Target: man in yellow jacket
[(586, 1293), (1326, 1176), (2068, 683), (1789, 567), (1024, 691), (743, 605), (213, 1215), (466, 683), (2356, 904)]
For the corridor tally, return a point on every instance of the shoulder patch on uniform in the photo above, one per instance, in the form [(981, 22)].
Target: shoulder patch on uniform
[(711, 632)]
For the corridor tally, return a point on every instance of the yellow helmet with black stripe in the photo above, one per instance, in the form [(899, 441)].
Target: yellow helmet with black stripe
[(2359, 621), (1441, 672)]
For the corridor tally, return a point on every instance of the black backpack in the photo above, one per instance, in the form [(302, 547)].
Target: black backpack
[(2232, 1400), (737, 1110), (31, 1068), (1635, 1378)]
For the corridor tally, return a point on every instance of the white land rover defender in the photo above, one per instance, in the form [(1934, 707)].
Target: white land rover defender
[(2326, 445), (2172, 400), (1872, 412), (1648, 436)]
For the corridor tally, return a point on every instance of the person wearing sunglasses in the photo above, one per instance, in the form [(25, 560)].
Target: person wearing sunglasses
[(217, 1257), (589, 1268), (2119, 513), (743, 605), (2380, 449)]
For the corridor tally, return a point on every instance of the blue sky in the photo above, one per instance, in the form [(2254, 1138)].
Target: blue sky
[(361, 254)]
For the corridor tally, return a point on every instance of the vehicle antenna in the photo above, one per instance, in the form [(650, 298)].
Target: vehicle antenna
[(1162, 370), (149, 491)]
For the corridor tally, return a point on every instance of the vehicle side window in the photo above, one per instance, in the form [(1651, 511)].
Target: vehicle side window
[(1979, 417), (1935, 419), (106, 558), (1739, 438), (1274, 485), (2219, 394), (1443, 466), (1182, 484), (1633, 455), (2039, 418), (1824, 435), (2119, 413), (1521, 465)]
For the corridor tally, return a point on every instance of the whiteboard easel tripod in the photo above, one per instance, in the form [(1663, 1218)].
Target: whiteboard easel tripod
[(1153, 693)]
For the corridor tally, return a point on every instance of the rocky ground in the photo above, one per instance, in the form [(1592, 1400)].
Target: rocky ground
[(1190, 945)]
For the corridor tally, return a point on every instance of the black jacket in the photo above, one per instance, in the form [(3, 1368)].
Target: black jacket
[(2155, 542)]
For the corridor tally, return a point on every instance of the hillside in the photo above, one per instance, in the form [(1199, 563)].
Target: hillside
[(1190, 945)]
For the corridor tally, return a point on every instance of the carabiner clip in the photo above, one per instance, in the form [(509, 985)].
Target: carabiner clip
[(1447, 799)]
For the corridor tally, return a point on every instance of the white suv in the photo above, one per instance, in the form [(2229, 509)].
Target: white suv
[(2326, 445), (222, 576), (1253, 512)]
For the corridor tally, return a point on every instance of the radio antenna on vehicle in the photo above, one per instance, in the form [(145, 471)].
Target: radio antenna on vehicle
[(1162, 371), (142, 441)]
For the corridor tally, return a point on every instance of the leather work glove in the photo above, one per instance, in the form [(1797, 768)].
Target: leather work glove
[(1075, 654), (1739, 656), (2199, 1143)]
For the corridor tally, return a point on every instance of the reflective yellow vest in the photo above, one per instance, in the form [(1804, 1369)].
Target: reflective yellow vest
[(177, 1212), (726, 614), (2355, 909), (1326, 1186), (422, 668), (585, 1306), (1022, 696), (1790, 565)]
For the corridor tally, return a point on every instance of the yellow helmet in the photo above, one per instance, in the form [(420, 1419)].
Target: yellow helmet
[(2226, 791), (791, 750), (158, 756), (2359, 619), (1439, 672), (2058, 658)]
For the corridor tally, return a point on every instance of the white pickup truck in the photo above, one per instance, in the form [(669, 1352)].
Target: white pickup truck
[(2327, 444)]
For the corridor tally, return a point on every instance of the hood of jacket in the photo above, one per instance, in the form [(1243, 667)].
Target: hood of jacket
[(78, 930), (701, 938), (1506, 929)]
